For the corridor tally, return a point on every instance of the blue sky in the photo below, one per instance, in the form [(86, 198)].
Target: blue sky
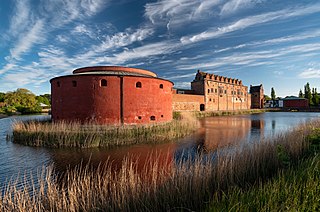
[(271, 42)]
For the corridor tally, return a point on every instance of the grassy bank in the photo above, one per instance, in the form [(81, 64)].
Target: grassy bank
[(203, 114), (294, 189), (196, 184), (63, 134)]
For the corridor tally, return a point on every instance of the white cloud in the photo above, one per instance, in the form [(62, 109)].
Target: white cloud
[(126, 38), (146, 51), (253, 58), (249, 22), (173, 12), (235, 5), (26, 41), (310, 73), (21, 15), (183, 85)]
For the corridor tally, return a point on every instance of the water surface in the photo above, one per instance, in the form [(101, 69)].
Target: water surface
[(215, 132)]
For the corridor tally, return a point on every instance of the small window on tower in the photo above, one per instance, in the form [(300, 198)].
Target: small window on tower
[(138, 85), (74, 83), (58, 84), (103, 83), (152, 118), (161, 86)]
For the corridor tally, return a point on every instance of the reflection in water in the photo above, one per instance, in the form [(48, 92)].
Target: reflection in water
[(216, 133)]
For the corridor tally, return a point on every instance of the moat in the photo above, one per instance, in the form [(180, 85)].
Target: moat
[(216, 133)]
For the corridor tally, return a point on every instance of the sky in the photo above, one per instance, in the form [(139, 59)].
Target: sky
[(271, 42)]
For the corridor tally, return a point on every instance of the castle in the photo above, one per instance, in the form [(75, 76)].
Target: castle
[(210, 92), (122, 95)]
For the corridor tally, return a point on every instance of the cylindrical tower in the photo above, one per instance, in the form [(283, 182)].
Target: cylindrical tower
[(111, 95)]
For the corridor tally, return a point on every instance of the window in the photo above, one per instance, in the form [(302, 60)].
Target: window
[(103, 83), (152, 118), (208, 90), (58, 84), (161, 86), (74, 83), (161, 116), (138, 85), (211, 90), (139, 117), (210, 100), (215, 90), (225, 91)]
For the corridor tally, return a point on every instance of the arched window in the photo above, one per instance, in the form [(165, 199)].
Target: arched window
[(58, 84), (161, 86), (74, 83), (103, 83), (152, 118), (138, 85), (208, 90)]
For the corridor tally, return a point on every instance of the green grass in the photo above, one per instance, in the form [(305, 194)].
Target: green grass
[(295, 187), (275, 175), (203, 114), (64, 134)]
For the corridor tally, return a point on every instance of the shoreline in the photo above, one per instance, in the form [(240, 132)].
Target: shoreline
[(3, 116)]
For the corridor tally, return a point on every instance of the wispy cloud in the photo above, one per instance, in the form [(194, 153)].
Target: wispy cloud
[(174, 13), (34, 35), (250, 22), (230, 7), (310, 73), (19, 18), (253, 58)]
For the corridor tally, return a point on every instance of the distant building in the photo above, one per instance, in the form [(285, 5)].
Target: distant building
[(210, 92), (295, 103), (257, 96)]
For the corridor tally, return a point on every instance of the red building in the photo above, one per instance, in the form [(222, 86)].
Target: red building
[(111, 95), (295, 103)]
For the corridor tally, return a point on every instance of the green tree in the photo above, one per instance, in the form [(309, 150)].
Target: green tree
[(273, 94), (307, 93), (43, 99), (22, 100), (2, 96), (266, 97), (315, 97), (300, 94)]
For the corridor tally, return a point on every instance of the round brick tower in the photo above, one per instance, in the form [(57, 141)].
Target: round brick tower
[(111, 95)]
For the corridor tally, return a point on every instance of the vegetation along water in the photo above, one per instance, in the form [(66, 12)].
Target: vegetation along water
[(224, 180)]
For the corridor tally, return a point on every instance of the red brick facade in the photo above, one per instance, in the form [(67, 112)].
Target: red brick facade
[(111, 95), (295, 103), (217, 92), (257, 97)]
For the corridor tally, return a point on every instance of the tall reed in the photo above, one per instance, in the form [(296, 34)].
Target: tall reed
[(184, 185), (72, 134)]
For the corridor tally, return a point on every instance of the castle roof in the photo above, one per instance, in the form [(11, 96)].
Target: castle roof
[(256, 88), (118, 70), (218, 78)]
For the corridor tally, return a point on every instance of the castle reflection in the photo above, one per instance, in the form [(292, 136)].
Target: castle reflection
[(220, 132), (216, 132)]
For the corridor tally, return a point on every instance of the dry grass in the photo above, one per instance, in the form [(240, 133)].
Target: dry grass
[(184, 185), (66, 134)]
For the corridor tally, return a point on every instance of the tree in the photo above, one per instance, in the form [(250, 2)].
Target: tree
[(266, 97), (43, 99), (23, 101), (300, 94), (315, 97), (273, 94), (307, 93)]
